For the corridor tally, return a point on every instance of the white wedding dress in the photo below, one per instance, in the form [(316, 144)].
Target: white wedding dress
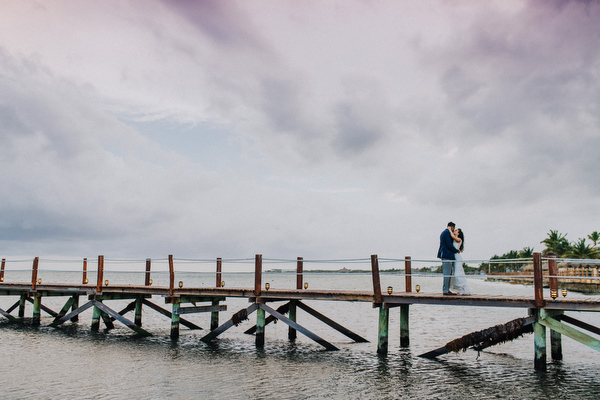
[(459, 280)]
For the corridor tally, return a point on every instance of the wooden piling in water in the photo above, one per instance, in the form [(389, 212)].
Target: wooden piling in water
[(539, 339), (556, 341), (96, 319), (383, 331), (175, 320), (37, 309), (260, 328)]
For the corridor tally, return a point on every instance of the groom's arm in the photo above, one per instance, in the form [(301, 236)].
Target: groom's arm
[(449, 243)]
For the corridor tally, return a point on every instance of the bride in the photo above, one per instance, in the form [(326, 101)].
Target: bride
[(459, 280)]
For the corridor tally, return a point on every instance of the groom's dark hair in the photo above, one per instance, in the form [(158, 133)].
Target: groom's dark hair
[(451, 224)]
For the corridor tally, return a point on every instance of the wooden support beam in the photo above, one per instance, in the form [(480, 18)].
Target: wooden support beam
[(299, 328), (96, 313), (214, 316), (554, 324), (283, 309), (138, 311), (43, 307), (108, 322), (579, 324), (539, 340), (22, 300), (120, 318), (13, 307), (235, 320), (70, 315), (404, 326), (201, 309), (383, 331), (7, 315), (74, 307), (168, 314), (332, 323), (63, 312)]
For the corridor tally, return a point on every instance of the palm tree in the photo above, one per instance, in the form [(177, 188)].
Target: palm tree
[(594, 237), (581, 250), (556, 243), (527, 252)]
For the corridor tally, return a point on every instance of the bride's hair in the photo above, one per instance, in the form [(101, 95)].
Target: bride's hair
[(461, 236)]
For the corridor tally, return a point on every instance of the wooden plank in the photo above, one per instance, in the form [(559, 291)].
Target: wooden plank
[(7, 315), (168, 314), (216, 332), (566, 330), (283, 309), (64, 310), (201, 309), (579, 324), (297, 327), (332, 323), (120, 318), (43, 307)]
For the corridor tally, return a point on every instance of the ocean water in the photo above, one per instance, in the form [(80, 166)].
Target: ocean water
[(70, 362)]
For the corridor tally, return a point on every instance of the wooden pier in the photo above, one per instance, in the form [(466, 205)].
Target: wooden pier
[(541, 313)]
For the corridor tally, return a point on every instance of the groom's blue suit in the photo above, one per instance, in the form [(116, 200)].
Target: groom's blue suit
[(446, 252)]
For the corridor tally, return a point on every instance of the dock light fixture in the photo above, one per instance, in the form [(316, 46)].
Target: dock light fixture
[(106, 282), (149, 281), (305, 285), (554, 294), (267, 285), (390, 289), (222, 283), (85, 281), (39, 281), (418, 288), (564, 292), (180, 284), (1, 279)]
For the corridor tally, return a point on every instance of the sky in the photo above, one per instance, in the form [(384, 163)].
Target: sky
[(322, 129)]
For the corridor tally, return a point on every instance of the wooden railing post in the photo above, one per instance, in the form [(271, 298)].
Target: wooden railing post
[(148, 269), (552, 273), (84, 278), (100, 274), (219, 269), (377, 297), (407, 274), (299, 271), (257, 274), (2, 270), (538, 283), (171, 275), (34, 272)]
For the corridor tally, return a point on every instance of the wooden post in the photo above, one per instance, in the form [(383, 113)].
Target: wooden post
[(556, 340), (407, 274), (74, 307), (2, 270), (404, 325), (99, 281), (96, 313), (34, 272), (138, 311), (292, 334), (175, 320), (377, 297), (299, 271), (22, 301), (552, 273), (539, 338), (260, 328), (219, 269), (384, 322), (257, 275), (171, 275), (84, 279), (37, 309), (214, 316), (538, 285), (148, 268)]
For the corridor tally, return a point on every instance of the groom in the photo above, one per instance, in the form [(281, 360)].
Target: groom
[(446, 253)]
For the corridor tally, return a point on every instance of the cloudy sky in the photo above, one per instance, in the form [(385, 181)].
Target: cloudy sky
[(323, 129)]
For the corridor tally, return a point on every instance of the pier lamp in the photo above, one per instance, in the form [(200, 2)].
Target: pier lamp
[(222, 283), (180, 284), (305, 285), (85, 281), (1, 279), (267, 286), (149, 281), (106, 282), (554, 294), (39, 281), (418, 288), (390, 289), (564, 292)]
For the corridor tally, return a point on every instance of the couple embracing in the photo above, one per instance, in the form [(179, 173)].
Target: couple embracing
[(452, 244)]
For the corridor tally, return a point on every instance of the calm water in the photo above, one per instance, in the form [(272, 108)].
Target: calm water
[(72, 362)]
